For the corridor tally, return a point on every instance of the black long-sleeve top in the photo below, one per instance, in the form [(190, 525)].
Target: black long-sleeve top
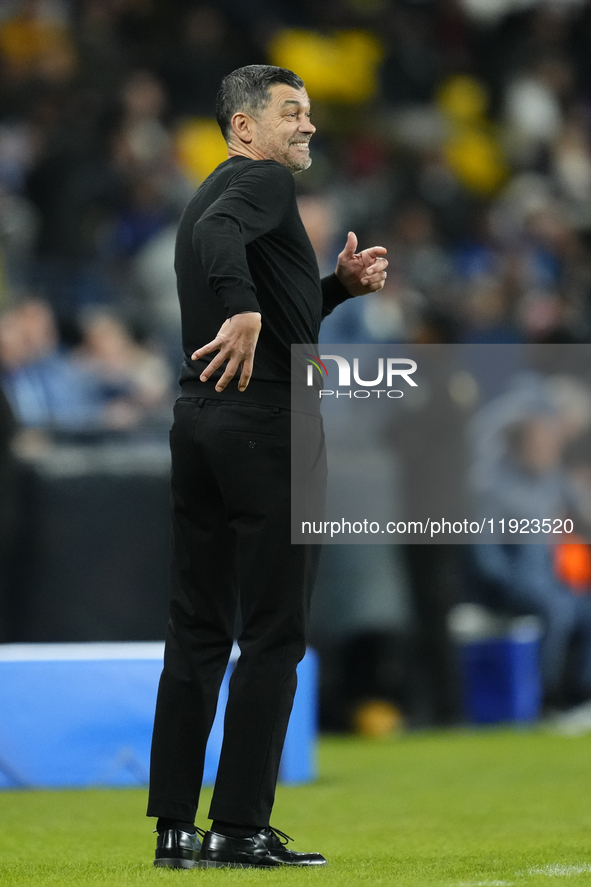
[(241, 246)]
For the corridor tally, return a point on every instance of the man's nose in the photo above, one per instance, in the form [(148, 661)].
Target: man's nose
[(307, 126)]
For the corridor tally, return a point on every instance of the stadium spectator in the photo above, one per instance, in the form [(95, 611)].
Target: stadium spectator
[(132, 381), (43, 386), (519, 473)]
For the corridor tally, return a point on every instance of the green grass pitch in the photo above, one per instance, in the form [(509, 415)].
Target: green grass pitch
[(494, 808)]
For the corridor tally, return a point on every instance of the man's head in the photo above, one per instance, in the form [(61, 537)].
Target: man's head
[(264, 113)]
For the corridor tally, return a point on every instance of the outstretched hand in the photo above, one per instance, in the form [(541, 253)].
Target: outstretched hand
[(363, 272), (236, 342)]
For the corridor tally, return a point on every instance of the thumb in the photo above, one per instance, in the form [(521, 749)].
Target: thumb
[(351, 244)]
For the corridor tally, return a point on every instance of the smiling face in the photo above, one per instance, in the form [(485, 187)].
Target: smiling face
[(281, 131)]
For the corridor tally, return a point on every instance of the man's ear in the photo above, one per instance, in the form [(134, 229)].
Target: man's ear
[(242, 127)]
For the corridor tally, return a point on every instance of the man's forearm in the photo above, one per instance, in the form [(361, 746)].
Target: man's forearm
[(218, 245)]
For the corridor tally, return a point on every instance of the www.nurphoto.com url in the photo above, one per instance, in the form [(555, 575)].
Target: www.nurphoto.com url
[(432, 528)]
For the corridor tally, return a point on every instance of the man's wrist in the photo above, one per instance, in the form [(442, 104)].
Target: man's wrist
[(338, 276)]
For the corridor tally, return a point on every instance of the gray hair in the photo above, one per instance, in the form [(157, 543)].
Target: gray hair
[(247, 89)]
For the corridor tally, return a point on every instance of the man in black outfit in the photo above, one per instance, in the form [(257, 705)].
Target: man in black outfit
[(247, 278)]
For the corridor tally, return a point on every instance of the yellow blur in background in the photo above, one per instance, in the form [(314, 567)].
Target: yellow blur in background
[(199, 147), (472, 149), (338, 67)]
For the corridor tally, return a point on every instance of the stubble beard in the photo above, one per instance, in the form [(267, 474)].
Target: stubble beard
[(287, 159), (298, 165), (305, 163)]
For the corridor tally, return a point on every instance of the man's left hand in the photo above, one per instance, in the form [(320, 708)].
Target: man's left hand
[(363, 272)]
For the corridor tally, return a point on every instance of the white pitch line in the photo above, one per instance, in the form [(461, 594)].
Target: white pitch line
[(559, 870), (485, 884)]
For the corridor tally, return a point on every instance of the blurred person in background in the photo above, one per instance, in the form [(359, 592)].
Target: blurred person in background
[(153, 284), (520, 438), (153, 193), (133, 382), (45, 389), (141, 140)]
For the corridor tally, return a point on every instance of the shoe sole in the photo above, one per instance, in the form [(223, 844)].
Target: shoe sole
[(211, 864), (173, 863)]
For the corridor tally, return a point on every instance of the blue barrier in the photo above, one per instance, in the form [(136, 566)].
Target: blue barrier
[(499, 659), (81, 715), (501, 680)]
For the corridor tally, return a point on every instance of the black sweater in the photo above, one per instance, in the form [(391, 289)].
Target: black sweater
[(241, 246)]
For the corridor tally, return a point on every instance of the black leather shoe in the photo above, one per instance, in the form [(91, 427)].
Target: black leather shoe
[(261, 851), (178, 850)]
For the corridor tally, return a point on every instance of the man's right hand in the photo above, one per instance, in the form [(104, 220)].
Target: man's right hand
[(236, 343)]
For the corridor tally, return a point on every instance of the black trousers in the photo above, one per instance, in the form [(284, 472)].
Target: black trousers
[(231, 549)]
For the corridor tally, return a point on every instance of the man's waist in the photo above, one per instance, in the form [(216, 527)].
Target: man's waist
[(273, 394), (266, 392)]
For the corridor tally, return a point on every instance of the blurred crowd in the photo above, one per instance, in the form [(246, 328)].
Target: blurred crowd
[(457, 133)]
